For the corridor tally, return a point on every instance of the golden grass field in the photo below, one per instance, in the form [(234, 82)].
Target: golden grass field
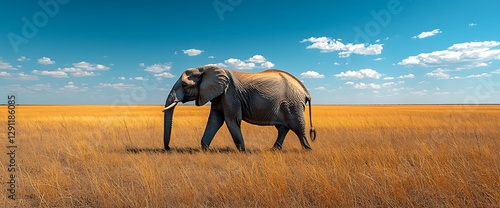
[(384, 156)]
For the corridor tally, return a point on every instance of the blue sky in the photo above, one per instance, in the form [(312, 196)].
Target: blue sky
[(345, 52)]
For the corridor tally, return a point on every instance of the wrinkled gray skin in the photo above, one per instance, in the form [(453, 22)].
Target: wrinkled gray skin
[(271, 97)]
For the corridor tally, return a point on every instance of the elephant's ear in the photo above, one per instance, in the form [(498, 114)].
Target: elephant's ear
[(213, 83)]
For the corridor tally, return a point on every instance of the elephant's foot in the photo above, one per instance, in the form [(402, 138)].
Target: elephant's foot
[(276, 147), (241, 147), (204, 147)]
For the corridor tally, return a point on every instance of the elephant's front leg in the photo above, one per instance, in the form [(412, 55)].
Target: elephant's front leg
[(215, 121), (234, 126)]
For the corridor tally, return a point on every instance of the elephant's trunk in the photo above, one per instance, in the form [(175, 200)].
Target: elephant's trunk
[(167, 127), (168, 112)]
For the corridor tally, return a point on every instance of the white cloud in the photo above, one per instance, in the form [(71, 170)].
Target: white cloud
[(472, 24), (40, 87), (361, 74), (192, 52), (408, 76), (142, 64), (70, 86), (363, 86), (391, 85), (419, 93), (238, 64), (56, 74), (23, 58), (118, 86), (312, 74), (4, 74), (139, 78), (211, 57), (257, 59), (158, 68), (328, 45), (121, 78), (427, 34), (22, 76), (388, 84), (267, 65), (6, 66), (164, 75), (439, 74), (322, 88), (349, 83), (83, 74), (77, 72), (70, 69), (474, 76), (496, 71), (378, 59), (74, 88), (45, 61), (90, 67), (460, 56), (254, 62), (360, 49), (218, 64), (101, 67), (441, 93), (336, 63), (388, 78)]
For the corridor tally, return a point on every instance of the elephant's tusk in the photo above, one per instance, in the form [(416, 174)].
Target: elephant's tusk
[(170, 106)]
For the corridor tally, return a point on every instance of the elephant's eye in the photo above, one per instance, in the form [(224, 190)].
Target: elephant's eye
[(184, 85)]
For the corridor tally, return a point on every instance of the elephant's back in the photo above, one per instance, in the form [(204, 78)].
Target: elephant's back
[(293, 84)]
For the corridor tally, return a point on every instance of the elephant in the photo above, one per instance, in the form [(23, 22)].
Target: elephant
[(270, 97)]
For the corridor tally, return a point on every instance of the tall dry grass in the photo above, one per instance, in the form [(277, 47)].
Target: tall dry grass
[(110, 156)]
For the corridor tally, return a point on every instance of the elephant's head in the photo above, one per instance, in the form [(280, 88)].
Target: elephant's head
[(199, 84)]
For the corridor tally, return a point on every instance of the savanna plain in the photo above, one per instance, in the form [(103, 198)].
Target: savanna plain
[(364, 156)]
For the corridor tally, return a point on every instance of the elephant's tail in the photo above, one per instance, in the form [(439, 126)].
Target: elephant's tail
[(312, 132)]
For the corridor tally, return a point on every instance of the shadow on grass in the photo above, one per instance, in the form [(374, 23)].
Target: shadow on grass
[(190, 150), (186, 150)]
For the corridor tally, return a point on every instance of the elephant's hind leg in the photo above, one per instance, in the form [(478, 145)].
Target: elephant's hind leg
[(282, 131), (299, 127), (301, 133), (297, 124)]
